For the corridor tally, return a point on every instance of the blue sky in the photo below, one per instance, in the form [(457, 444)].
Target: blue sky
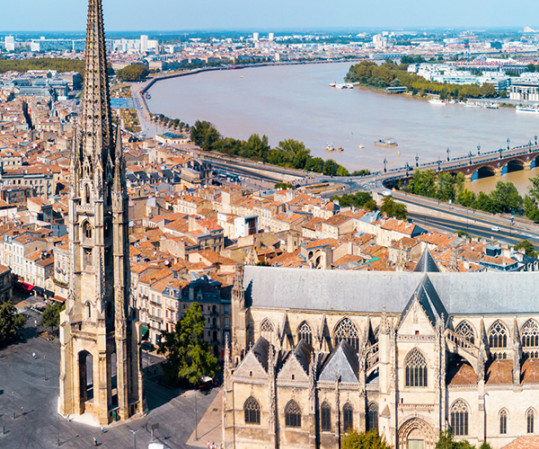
[(123, 15)]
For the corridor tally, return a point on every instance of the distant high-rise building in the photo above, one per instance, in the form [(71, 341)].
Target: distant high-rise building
[(143, 43), (270, 37), (10, 43), (255, 37)]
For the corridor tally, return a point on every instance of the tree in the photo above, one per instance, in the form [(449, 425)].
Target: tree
[(11, 323), (294, 153), (358, 199), (368, 440), (528, 248), (133, 72), (446, 441), (466, 198), (51, 316), (390, 208), (506, 198), (531, 200), (256, 147), (189, 357), (331, 167), (204, 134)]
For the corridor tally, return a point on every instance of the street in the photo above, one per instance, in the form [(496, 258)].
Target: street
[(28, 404)]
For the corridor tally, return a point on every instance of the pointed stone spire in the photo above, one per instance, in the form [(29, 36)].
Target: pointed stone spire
[(96, 120)]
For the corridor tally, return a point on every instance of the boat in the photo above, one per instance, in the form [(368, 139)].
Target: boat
[(471, 105), (333, 84), (437, 102), (344, 86), (528, 109), (339, 149), (492, 106), (330, 148), (148, 96), (361, 147), (387, 143)]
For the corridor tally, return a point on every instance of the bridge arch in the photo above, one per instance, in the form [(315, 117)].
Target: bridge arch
[(483, 172), (513, 165)]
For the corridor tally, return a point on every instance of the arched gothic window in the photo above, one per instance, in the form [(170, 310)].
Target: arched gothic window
[(251, 409), (325, 417), (267, 330), (292, 414), (497, 335), (347, 331), (465, 330), (372, 417), (503, 422), (305, 333), (530, 421), (416, 369), (530, 334), (347, 417), (459, 418)]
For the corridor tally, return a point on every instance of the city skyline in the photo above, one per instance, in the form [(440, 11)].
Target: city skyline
[(164, 15)]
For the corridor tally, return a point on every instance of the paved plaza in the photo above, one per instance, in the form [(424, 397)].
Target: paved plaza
[(28, 404)]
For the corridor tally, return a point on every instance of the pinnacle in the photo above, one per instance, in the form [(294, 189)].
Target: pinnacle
[(96, 116)]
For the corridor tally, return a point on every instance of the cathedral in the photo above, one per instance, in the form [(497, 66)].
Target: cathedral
[(100, 371), (315, 353)]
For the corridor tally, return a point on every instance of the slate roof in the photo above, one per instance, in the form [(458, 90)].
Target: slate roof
[(368, 292), (342, 362), (426, 264), (261, 351), (429, 300), (302, 352)]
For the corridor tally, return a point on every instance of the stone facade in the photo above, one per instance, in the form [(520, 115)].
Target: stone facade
[(316, 353), (100, 372)]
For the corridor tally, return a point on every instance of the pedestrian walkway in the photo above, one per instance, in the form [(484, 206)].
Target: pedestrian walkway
[(209, 426)]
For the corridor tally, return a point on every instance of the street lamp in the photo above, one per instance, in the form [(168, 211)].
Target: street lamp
[(530, 146), (470, 155), (535, 139), (501, 151), (448, 151), (196, 416), (417, 160), (134, 432), (478, 149), (385, 165), (439, 165), (508, 141)]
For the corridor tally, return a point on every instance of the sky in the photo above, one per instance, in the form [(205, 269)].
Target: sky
[(127, 15)]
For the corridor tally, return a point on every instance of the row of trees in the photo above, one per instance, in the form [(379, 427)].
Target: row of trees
[(503, 199), (133, 73), (289, 153), (364, 200), (174, 123), (59, 64), (371, 440), (391, 74)]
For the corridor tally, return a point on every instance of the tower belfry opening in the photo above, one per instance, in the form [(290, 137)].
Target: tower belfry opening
[(100, 372)]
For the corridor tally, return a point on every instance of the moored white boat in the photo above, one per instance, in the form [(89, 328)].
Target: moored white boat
[(437, 102)]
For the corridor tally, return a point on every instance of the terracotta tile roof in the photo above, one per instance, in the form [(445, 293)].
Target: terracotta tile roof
[(524, 442), (500, 372), (323, 242), (398, 226), (462, 374), (348, 258), (530, 372)]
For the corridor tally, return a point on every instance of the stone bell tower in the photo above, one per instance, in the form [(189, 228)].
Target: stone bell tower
[(100, 372)]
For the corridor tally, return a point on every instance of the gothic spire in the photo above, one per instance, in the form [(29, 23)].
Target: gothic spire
[(96, 120)]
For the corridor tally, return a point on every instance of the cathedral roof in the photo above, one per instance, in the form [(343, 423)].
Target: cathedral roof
[(342, 362), (429, 300), (369, 292), (426, 264), (261, 351), (303, 352)]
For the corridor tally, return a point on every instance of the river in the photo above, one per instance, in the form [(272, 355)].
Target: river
[(297, 102)]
